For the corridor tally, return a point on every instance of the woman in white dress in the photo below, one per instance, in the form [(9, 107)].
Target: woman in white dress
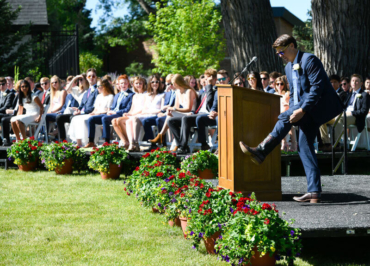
[(77, 87), (57, 95), (78, 130), (30, 102), (186, 97), (138, 100), (154, 100)]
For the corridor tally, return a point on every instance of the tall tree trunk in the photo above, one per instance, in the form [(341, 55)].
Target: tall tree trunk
[(342, 35), (250, 31)]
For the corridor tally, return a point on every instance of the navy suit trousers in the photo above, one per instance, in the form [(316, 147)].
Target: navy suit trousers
[(152, 121), (202, 122), (50, 118), (104, 120), (307, 134)]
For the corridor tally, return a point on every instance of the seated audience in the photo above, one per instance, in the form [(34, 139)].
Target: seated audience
[(45, 94), (32, 83), (10, 83), (345, 84), (367, 85), (137, 105), (254, 81), (34, 109), (185, 104), (57, 95), (273, 75), (9, 113), (159, 120), (6, 96), (180, 126), (121, 104), (222, 77), (238, 82), (78, 130), (153, 105), (265, 82), (239, 75)]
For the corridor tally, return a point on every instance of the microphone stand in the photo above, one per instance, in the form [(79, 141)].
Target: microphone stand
[(238, 76)]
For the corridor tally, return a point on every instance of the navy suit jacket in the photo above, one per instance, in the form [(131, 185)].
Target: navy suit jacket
[(215, 102), (270, 90), (73, 101), (88, 103), (360, 109), (6, 101), (167, 99), (317, 96), (126, 102), (115, 101)]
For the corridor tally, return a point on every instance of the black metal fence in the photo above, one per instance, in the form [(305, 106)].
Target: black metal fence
[(59, 52)]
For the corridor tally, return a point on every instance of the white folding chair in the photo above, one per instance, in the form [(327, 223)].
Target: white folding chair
[(354, 140), (38, 126)]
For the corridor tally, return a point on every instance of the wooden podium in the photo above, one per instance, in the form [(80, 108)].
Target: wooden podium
[(247, 115)]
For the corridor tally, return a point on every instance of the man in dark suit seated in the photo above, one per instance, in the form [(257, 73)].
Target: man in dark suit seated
[(265, 82), (312, 103), (335, 82), (6, 96), (45, 95), (169, 101), (5, 121), (86, 106), (345, 84), (121, 104), (358, 104), (69, 102), (180, 126)]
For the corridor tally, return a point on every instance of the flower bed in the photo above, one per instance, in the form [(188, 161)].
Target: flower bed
[(200, 161), (25, 151)]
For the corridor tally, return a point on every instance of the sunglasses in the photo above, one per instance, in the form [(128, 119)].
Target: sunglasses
[(344, 84), (279, 84), (221, 79), (2, 84), (24, 86), (91, 76), (45, 83), (168, 84), (98, 86), (264, 78), (54, 82), (282, 51), (238, 84), (271, 82), (251, 78), (155, 81)]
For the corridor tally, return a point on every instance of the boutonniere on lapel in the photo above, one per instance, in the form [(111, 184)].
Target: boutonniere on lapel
[(48, 93), (298, 68), (4, 94), (125, 93), (358, 95), (92, 89)]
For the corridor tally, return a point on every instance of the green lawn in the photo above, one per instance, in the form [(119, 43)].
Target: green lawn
[(83, 220)]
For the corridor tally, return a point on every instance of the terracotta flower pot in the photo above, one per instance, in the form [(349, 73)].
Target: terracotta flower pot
[(29, 166), (114, 172), (206, 174), (175, 222), (184, 224), (265, 260), (66, 169), (209, 242)]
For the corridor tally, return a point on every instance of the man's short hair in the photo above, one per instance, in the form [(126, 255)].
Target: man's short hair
[(367, 78), (274, 75), (264, 73), (69, 78), (211, 72), (357, 76), (223, 72), (9, 78), (46, 79), (345, 78), (92, 70), (2, 79), (29, 80), (335, 77), (284, 40), (109, 78)]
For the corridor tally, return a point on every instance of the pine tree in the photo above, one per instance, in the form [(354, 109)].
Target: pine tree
[(304, 35)]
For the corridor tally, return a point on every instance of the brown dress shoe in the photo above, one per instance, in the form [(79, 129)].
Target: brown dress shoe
[(311, 197), (90, 145)]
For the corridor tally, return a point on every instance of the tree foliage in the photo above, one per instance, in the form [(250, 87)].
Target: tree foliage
[(187, 35), (88, 60), (304, 35), (15, 48)]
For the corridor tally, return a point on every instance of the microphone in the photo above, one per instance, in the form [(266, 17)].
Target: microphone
[(254, 59)]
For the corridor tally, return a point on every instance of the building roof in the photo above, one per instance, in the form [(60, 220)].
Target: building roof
[(33, 11), (285, 14)]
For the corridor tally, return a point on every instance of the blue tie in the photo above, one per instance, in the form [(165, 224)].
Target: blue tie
[(119, 102), (351, 100), (295, 85), (173, 96)]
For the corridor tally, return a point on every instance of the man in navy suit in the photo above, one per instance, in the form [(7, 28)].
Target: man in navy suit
[(121, 104), (313, 101), (86, 106), (169, 101), (265, 82)]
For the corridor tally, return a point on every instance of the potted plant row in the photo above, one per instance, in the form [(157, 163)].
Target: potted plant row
[(203, 164), (25, 153)]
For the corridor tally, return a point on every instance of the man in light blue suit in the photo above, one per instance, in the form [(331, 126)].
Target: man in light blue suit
[(313, 102), (121, 104)]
